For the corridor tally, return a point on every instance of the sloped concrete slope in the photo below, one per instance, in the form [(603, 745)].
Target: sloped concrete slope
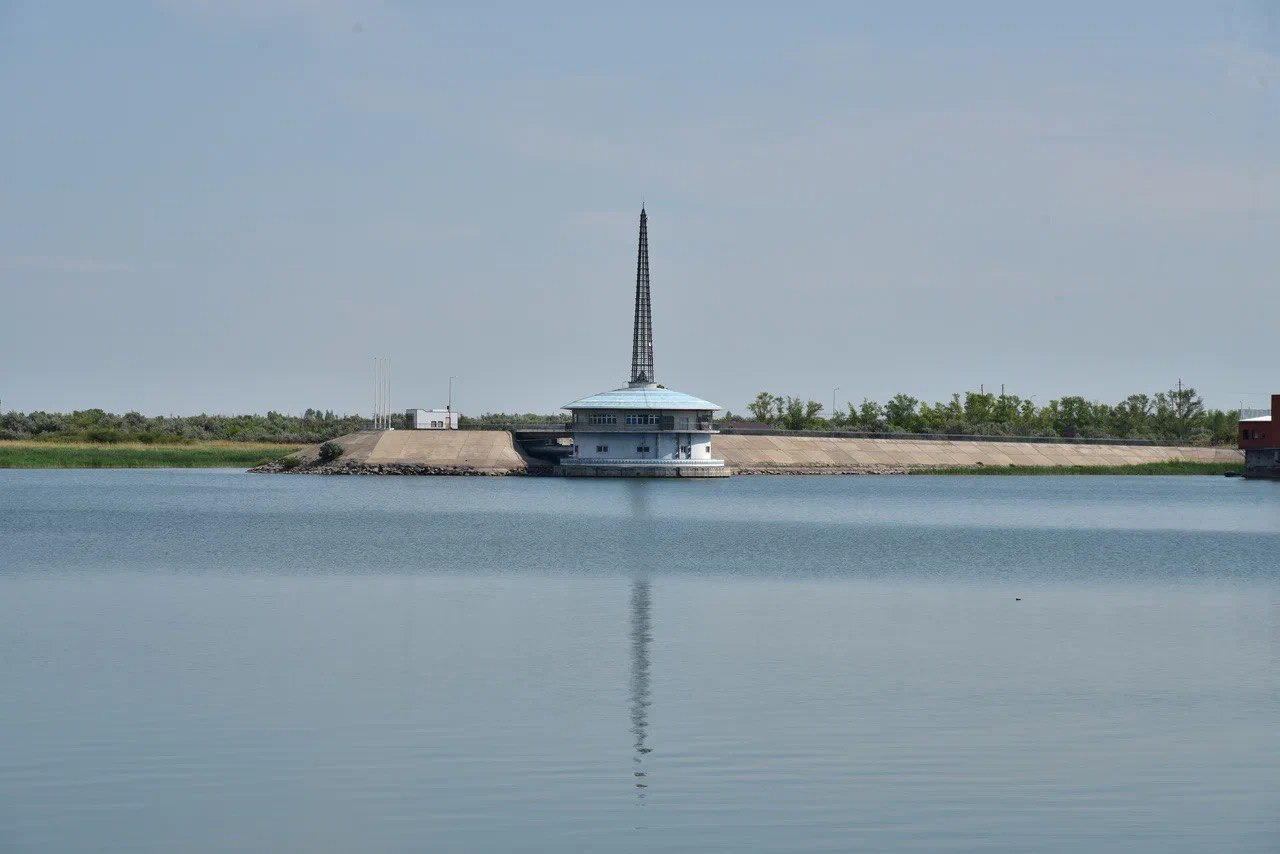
[(466, 449), (416, 452), (495, 452), (803, 452)]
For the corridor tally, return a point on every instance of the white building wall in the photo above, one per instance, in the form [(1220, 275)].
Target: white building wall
[(620, 446), (624, 446), (431, 419)]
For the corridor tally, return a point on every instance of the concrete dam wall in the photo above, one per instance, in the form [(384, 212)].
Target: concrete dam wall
[(746, 453), (496, 452), (419, 452)]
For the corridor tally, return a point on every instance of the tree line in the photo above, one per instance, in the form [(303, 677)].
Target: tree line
[(1176, 415), (97, 425), (314, 425)]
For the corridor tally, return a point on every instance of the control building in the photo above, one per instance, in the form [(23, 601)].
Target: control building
[(644, 429), (1260, 443)]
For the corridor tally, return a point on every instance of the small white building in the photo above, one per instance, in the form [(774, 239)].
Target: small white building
[(430, 419)]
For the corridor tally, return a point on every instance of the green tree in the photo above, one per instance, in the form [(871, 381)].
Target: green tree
[(979, 408), (1188, 412), (763, 407), (900, 413), (1130, 417), (870, 415), (1071, 415), (798, 414)]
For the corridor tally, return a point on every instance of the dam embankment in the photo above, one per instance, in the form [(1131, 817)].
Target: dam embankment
[(420, 452), (761, 454), (496, 452)]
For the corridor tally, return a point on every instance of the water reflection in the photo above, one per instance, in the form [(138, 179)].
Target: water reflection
[(641, 637)]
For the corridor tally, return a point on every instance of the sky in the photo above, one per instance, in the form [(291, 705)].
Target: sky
[(235, 206)]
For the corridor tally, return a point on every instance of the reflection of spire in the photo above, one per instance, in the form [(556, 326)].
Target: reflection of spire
[(640, 638), (642, 338)]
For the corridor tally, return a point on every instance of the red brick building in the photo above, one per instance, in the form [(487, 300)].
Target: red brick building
[(1261, 443)]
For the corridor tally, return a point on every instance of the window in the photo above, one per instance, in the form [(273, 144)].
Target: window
[(642, 418), (604, 418), (642, 449), (602, 449)]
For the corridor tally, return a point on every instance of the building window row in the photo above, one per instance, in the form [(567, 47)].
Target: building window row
[(642, 449), (604, 418), (602, 449), (642, 419)]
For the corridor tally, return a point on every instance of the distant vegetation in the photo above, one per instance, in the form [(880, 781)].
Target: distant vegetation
[(498, 419), (330, 451), (97, 426), (40, 455), (314, 425), (1177, 415)]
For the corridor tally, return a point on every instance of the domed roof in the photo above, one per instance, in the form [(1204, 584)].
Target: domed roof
[(642, 397)]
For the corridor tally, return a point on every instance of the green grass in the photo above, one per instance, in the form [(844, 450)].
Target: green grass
[(85, 455), (1165, 468)]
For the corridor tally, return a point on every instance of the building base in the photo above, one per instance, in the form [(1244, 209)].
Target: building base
[(1262, 463), (580, 470)]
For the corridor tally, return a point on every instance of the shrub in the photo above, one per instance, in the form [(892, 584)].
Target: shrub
[(104, 435), (330, 451), (289, 462)]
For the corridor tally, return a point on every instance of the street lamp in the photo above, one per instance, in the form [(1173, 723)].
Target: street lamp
[(449, 405), (833, 401)]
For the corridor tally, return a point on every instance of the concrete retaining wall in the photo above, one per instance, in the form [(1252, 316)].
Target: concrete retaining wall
[(742, 452), (420, 452)]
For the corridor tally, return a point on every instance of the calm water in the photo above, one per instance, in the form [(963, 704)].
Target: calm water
[(209, 660)]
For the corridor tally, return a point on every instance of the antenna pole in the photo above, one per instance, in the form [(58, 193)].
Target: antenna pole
[(642, 332)]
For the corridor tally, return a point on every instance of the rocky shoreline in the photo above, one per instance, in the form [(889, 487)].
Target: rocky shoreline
[(339, 467), (820, 470), (391, 469)]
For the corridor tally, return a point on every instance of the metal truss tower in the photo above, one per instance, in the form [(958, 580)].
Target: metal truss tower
[(642, 341)]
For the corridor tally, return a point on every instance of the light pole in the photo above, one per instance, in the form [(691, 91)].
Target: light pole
[(449, 405), (833, 403)]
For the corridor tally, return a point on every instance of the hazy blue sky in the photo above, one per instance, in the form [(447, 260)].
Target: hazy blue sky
[(235, 205)]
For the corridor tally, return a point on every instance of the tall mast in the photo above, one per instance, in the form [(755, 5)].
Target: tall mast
[(642, 340)]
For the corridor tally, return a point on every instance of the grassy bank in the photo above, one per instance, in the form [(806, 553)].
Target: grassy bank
[(88, 455), (1165, 468)]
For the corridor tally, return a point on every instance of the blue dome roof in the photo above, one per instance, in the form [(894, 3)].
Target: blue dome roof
[(644, 397)]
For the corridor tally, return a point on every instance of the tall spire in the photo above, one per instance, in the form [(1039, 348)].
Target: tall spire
[(642, 342)]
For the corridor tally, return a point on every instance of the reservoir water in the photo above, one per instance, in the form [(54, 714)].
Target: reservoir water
[(210, 661)]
